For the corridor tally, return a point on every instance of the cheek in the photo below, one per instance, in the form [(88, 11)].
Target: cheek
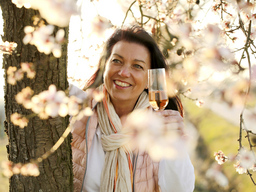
[(144, 81)]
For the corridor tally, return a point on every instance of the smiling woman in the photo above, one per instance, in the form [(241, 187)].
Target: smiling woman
[(107, 162)]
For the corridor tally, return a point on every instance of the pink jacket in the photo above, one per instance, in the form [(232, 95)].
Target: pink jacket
[(146, 173)]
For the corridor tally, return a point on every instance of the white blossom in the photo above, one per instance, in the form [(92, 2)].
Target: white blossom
[(246, 158)]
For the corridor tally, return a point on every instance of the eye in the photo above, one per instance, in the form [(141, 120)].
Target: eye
[(116, 61), (137, 66)]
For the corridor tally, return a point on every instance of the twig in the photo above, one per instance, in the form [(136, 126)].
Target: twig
[(240, 131), (248, 173), (54, 147), (129, 9)]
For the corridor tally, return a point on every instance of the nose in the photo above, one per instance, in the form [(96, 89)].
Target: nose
[(124, 71)]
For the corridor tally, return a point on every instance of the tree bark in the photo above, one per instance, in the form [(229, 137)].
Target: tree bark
[(40, 135)]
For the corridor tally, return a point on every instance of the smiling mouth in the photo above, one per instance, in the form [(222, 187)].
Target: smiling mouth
[(122, 84)]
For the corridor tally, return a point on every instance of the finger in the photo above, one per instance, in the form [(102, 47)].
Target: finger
[(173, 119), (178, 126), (170, 113)]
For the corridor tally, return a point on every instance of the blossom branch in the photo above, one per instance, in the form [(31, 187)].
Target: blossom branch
[(128, 10), (250, 175)]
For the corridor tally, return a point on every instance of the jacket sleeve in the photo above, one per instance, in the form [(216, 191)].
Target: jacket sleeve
[(76, 91), (176, 175)]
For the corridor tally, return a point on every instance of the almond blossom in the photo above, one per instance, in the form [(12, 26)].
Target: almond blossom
[(7, 168), (29, 69), (28, 169), (149, 133), (21, 3), (56, 12), (235, 93), (199, 103), (246, 158), (43, 39), (8, 47), (239, 168), (100, 24), (14, 74), (51, 103), (11, 75), (74, 105), (24, 97), (54, 102), (19, 120), (220, 157)]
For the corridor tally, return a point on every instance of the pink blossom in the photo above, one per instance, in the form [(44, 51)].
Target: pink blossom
[(16, 168), (11, 75), (56, 12), (149, 133), (55, 103), (199, 103), (246, 158), (74, 105), (19, 120), (234, 94), (97, 95), (100, 24), (51, 103), (21, 3), (7, 169), (29, 69), (60, 35), (43, 39), (28, 169), (220, 157), (8, 47), (19, 75), (24, 97), (239, 168)]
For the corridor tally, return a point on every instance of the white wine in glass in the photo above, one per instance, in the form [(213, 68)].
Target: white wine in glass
[(157, 89)]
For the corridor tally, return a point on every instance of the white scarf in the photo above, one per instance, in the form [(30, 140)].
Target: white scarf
[(117, 172)]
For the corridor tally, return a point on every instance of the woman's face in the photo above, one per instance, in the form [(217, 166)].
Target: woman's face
[(126, 72)]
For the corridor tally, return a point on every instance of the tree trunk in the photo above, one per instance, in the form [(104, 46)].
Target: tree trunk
[(40, 135)]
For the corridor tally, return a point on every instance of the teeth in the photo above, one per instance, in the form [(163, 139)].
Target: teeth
[(122, 84)]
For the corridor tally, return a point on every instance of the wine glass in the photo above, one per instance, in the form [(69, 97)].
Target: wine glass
[(157, 89)]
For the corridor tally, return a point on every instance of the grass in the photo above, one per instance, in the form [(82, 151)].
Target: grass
[(216, 134)]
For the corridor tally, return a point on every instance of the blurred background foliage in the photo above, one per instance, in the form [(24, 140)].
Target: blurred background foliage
[(215, 133)]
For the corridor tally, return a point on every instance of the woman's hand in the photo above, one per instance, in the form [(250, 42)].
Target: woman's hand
[(173, 121)]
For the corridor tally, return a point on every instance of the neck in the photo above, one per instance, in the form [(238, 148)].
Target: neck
[(123, 109)]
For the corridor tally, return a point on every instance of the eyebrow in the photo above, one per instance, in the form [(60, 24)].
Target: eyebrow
[(134, 59)]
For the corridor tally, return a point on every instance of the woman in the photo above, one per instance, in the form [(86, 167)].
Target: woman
[(100, 161)]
